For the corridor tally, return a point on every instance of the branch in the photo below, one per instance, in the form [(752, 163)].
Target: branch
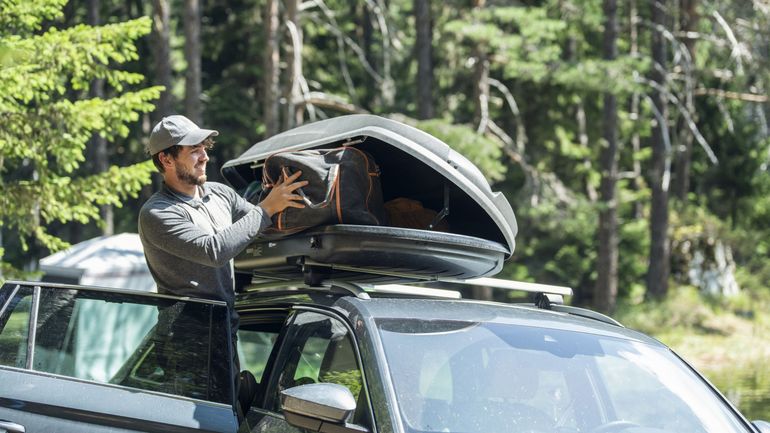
[(299, 83), (325, 100), (738, 51), (334, 28), (748, 97), (387, 87), (663, 125), (726, 115), (688, 119), (498, 131), (521, 133)]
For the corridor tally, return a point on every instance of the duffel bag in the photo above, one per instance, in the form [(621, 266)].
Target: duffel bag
[(343, 188)]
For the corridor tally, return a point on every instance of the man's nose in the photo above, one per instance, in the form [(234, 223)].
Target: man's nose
[(204, 155)]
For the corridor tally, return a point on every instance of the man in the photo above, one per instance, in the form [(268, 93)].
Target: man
[(192, 229)]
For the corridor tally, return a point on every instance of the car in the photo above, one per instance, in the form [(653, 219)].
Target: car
[(349, 328), (338, 358)]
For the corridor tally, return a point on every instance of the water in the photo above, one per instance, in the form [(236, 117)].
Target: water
[(748, 389)]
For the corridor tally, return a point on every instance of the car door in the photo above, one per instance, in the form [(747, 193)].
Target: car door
[(75, 359), (314, 346)]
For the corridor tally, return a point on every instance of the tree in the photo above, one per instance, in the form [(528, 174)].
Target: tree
[(658, 272), (688, 24), (98, 145), (44, 133), (292, 93), (424, 48), (192, 53), (162, 55), (271, 77), (607, 260)]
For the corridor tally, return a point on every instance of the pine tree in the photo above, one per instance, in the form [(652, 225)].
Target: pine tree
[(45, 129)]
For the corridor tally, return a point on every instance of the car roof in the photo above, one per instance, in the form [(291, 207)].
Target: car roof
[(381, 306), (489, 312)]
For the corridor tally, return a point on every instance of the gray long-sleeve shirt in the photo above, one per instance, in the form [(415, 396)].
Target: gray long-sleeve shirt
[(190, 243)]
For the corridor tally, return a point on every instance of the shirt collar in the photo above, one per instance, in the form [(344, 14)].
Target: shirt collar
[(203, 190)]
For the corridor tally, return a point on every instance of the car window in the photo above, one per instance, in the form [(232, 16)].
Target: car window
[(143, 342), (485, 376), (14, 326), (254, 348), (320, 349)]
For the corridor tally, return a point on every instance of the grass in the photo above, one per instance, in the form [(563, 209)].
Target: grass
[(728, 340)]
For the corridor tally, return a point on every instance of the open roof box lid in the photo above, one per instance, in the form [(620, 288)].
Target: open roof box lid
[(414, 165)]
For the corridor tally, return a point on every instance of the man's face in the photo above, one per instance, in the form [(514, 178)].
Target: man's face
[(190, 164)]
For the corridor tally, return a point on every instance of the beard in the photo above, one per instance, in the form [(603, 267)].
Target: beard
[(188, 177)]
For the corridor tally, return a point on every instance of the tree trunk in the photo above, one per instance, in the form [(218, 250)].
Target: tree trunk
[(292, 91), (367, 42), (272, 56), (607, 272), (688, 22), (161, 32), (425, 109), (387, 86), (636, 146), (481, 90), (657, 274), (192, 53), (98, 145)]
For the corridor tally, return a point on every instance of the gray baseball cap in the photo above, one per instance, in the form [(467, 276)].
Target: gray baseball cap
[(176, 130)]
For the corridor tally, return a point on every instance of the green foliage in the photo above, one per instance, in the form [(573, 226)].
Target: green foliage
[(556, 243), (484, 152), (522, 40), (350, 379), (24, 16), (47, 120), (546, 54), (595, 75), (683, 309)]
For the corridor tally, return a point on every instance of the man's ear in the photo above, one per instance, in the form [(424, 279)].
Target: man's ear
[(166, 160)]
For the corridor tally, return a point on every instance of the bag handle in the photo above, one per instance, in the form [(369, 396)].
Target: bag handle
[(332, 175)]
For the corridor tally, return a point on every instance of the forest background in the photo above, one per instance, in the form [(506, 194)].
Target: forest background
[(630, 136)]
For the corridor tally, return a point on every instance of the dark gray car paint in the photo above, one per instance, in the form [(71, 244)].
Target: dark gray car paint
[(40, 401)]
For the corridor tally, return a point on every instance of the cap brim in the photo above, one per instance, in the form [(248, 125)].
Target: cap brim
[(196, 137)]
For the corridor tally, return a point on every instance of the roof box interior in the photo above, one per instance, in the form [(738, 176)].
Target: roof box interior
[(414, 165)]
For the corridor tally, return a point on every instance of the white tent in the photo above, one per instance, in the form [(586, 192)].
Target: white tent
[(107, 261)]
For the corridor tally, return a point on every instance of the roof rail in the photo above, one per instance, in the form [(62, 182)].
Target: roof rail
[(499, 283), (356, 289), (577, 311), (404, 289), (545, 294)]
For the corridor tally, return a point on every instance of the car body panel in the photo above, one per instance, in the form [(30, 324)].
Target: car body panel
[(35, 399), (74, 401)]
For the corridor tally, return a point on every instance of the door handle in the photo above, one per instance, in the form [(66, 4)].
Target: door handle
[(11, 427)]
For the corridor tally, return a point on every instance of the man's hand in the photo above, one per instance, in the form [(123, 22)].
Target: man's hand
[(282, 195)]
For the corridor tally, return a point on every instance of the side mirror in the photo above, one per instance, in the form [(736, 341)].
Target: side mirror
[(320, 407), (762, 426)]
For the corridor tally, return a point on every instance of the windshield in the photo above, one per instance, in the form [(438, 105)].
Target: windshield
[(452, 376)]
